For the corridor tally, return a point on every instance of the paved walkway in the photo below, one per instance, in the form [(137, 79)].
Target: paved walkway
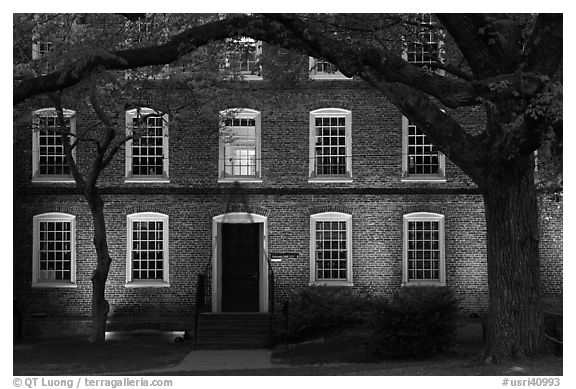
[(206, 360)]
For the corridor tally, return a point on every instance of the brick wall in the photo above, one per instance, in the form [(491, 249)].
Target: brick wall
[(376, 198), (193, 142)]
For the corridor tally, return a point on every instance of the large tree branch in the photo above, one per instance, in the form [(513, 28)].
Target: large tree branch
[(544, 47), (351, 59), (475, 42), (65, 139), (289, 31), (174, 49), (443, 131)]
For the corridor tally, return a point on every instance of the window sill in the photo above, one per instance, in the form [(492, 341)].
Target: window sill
[(53, 180), (334, 76), (252, 77), (232, 180), (324, 180), (147, 181), (54, 285), (424, 179), (331, 283), (147, 284), (423, 283)]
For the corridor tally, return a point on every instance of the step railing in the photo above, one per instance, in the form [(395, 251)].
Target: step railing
[(271, 296), (200, 304)]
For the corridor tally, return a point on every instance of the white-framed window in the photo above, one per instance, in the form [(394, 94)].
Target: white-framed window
[(41, 49), (330, 145), (331, 249), (420, 159), (48, 157), (54, 251), (147, 153), (147, 250), (425, 46), (242, 57), (320, 69), (423, 254), (138, 31), (239, 145)]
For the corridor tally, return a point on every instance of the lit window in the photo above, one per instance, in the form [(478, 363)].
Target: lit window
[(420, 159), (48, 156), (242, 58), (54, 251), (330, 145), (147, 152), (331, 249), (423, 259), (147, 249), (239, 145), (321, 69)]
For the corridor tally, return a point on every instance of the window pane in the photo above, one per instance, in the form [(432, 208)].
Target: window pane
[(147, 250), (148, 141), (422, 156), (330, 131), (54, 255), (51, 157), (422, 250), (239, 138), (331, 254)]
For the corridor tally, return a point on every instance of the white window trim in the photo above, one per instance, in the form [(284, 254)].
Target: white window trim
[(331, 216), (424, 216), (49, 112), (53, 217), (315, 75), (330, 112), (147, 216), (241, 113), (130, 115), (440, 177)]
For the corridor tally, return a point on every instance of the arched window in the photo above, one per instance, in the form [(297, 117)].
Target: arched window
[(239, 155), (423, 254), (147, 250), (54, 251), (48, 156), (420, 159), (330, 145), (331, 249), (147, 153)]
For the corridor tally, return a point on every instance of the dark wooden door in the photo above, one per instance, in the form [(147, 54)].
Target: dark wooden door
[(240, 267)]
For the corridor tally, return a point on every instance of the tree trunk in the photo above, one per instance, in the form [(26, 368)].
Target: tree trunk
[(100, 306), (514, 327)]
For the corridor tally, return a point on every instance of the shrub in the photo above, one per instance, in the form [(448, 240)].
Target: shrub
[(417, 321), (321, 311)]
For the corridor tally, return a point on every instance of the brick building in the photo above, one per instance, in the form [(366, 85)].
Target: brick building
[(319, 183)]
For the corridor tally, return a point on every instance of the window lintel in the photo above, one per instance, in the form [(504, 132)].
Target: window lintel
[(424, 215)]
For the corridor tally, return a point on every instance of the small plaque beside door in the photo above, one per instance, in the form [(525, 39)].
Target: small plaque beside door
[(278, 257)]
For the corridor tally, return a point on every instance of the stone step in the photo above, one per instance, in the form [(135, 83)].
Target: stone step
[(233, 331)]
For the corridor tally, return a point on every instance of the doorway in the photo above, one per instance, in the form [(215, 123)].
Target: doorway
[(239, 266)]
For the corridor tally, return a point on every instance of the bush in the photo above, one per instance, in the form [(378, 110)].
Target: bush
[(321, 311), (416, 322)]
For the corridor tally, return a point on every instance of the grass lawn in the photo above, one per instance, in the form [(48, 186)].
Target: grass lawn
[(461, 360), (340, 355), (75, 356)]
